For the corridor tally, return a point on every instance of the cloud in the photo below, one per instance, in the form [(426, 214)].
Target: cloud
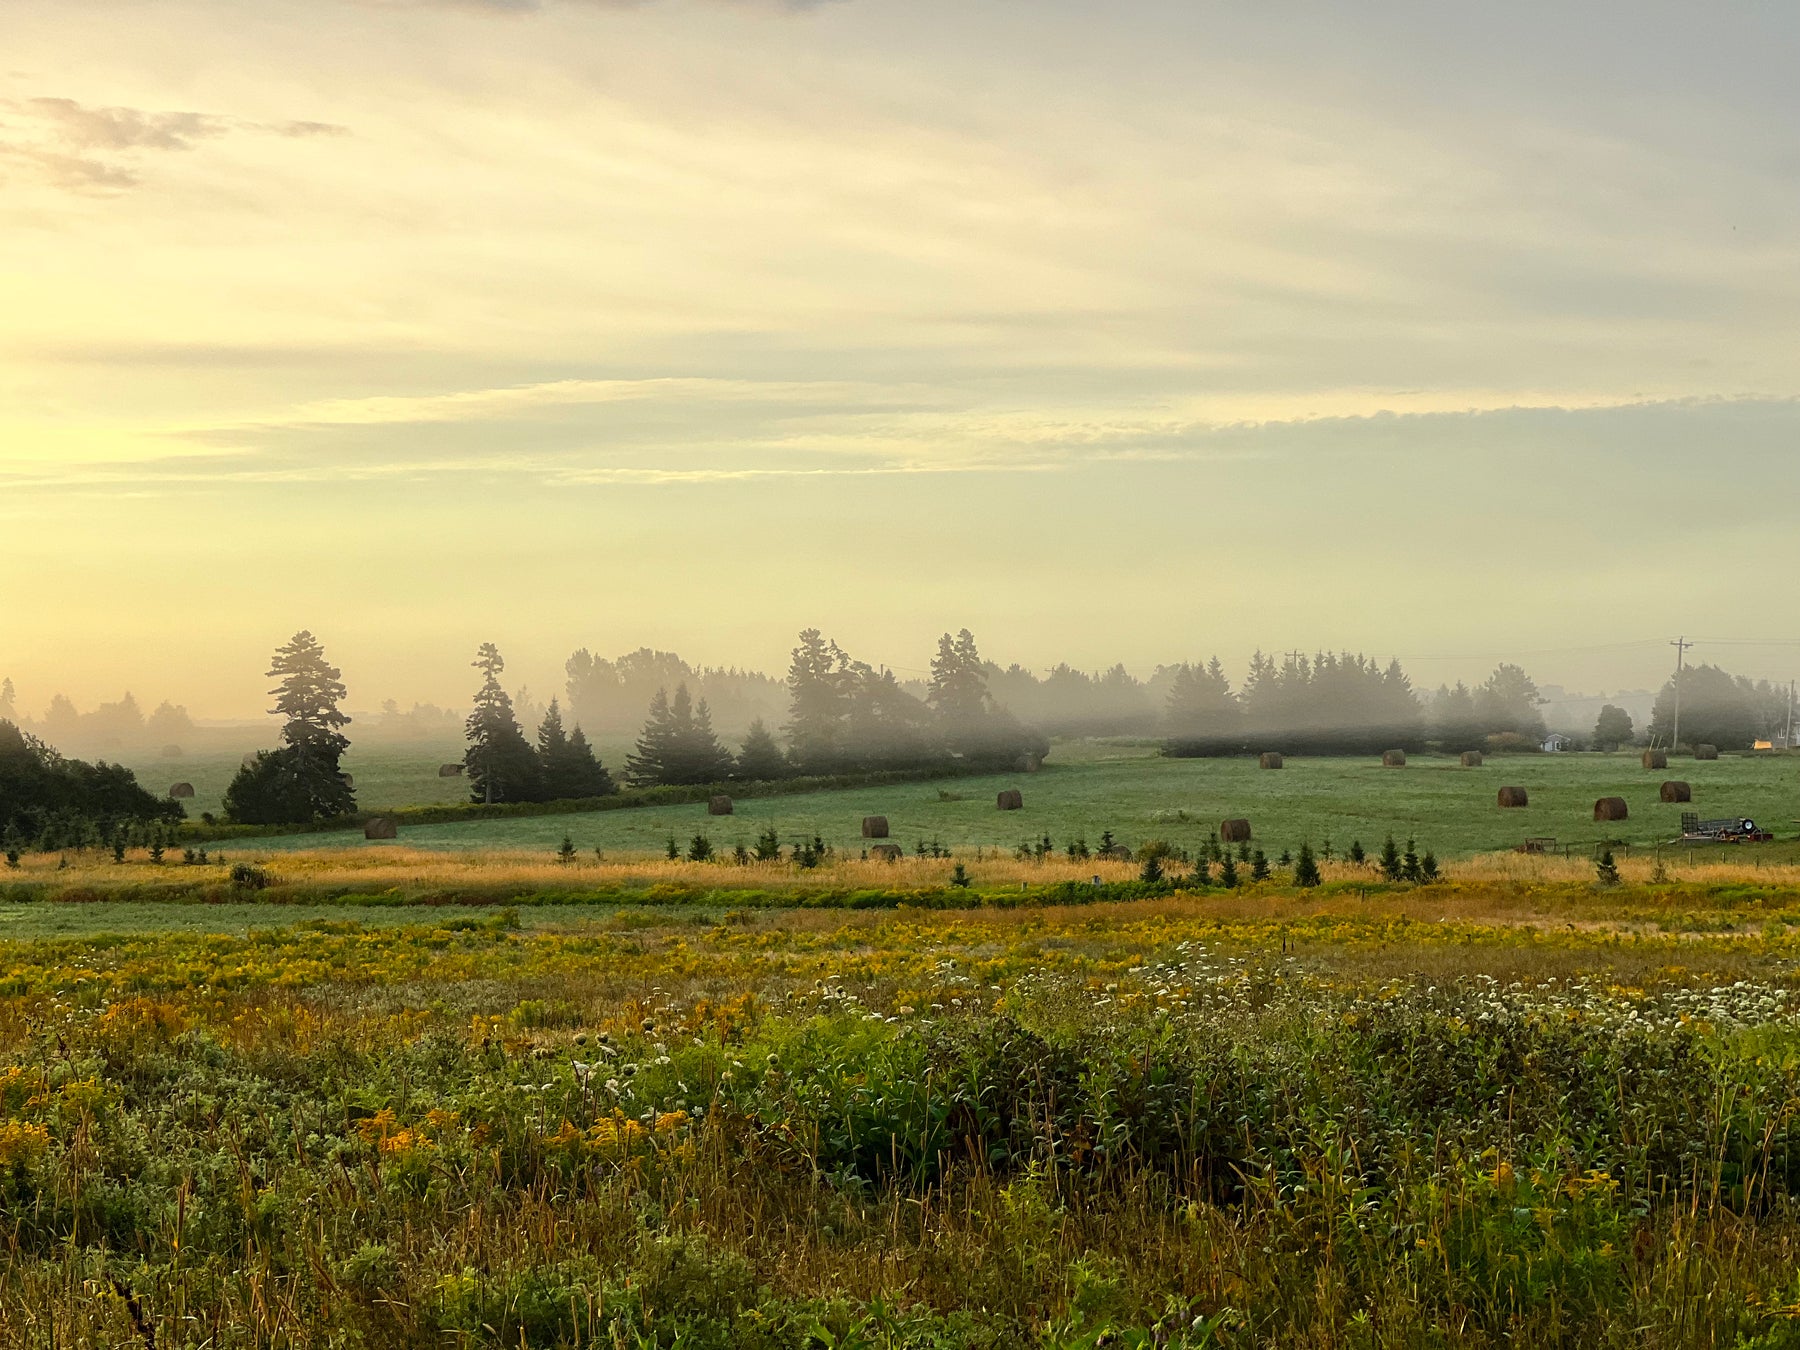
[(80, 148)]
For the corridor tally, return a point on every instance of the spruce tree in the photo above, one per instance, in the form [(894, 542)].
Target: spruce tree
[(566, 761), (705, 759), (1228, 873), (502, 766), (1391, 866), (300, 780), (678, 745), (1606, 871), (1409, 864), (585, 769), (650, 764), (760, 759), (1259, 866), (1306, 870), (816, 704)]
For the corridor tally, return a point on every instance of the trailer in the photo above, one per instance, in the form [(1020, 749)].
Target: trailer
[(1725, 830)]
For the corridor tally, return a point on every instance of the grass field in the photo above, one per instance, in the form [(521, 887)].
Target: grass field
[(1467, 1115), (1089, 788)]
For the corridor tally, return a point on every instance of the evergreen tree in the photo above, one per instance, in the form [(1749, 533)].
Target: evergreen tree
[(815, 711), (760, 759), (1356, 851), (1391, 867), (1152, 870), (300, 780), (678, 745), (650, 763), (1409, 864), (958, 685), (1201, 715), (1259, 866), (1201, 877), (502, 766), (566, 761), (704, 758), (1306, 870), (1606, 871), (586, 772), (1228, 873)]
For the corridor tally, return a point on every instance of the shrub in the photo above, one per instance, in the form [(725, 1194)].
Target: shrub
[(249, 877)]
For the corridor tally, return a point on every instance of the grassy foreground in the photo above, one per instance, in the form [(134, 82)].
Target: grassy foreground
[(1486, 1113)]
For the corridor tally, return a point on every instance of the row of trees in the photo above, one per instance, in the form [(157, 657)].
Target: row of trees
[(1340, 703), (843, 716), (47, 801), (109, 725), (1718, 708), (503, 766)]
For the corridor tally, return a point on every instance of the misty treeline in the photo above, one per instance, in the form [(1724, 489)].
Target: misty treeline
[(1343, 703), (110, 726), (1717, 708), (841, 716), (50, 802)]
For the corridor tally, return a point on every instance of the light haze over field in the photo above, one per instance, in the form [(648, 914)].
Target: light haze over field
[(1130, 332)]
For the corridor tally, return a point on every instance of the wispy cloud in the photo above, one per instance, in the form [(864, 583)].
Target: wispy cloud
[(81, 148)]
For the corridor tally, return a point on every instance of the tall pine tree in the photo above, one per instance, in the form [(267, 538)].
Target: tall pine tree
[(300, 780), (816, 704), (502, 766)]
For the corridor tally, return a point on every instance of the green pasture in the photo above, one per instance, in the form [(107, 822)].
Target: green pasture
[(1086, 789)]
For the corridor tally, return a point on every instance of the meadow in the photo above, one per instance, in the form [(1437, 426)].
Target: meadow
[(455, 1091), (1087, 788), (1487, 1112)]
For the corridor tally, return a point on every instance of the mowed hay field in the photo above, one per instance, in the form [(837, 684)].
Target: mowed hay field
[(1088, 788)]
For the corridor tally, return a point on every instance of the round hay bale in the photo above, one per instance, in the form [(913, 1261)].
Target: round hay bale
[(1030, 763), (1656, 759), (718, 805), (171, 752), (1234, 831), (181, 790), (1471, 759), (249, 760), (450, 770), (1269, 760), (349, 781), (1010, 800), (1676, 791), (1117, 853), (1393, 759), (875, 827), (1706, 752), (381, 827), (886, 852), (1514, 796), (1611, 808)]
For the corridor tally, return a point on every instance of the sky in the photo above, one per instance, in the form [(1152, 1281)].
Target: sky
[(1130, 332)]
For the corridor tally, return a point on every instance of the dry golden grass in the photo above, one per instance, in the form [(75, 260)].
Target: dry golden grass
[(428, 871)]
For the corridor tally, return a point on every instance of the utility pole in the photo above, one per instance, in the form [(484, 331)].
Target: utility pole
[(1680, 644)]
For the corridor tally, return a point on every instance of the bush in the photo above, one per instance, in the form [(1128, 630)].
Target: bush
[(249, 877)]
